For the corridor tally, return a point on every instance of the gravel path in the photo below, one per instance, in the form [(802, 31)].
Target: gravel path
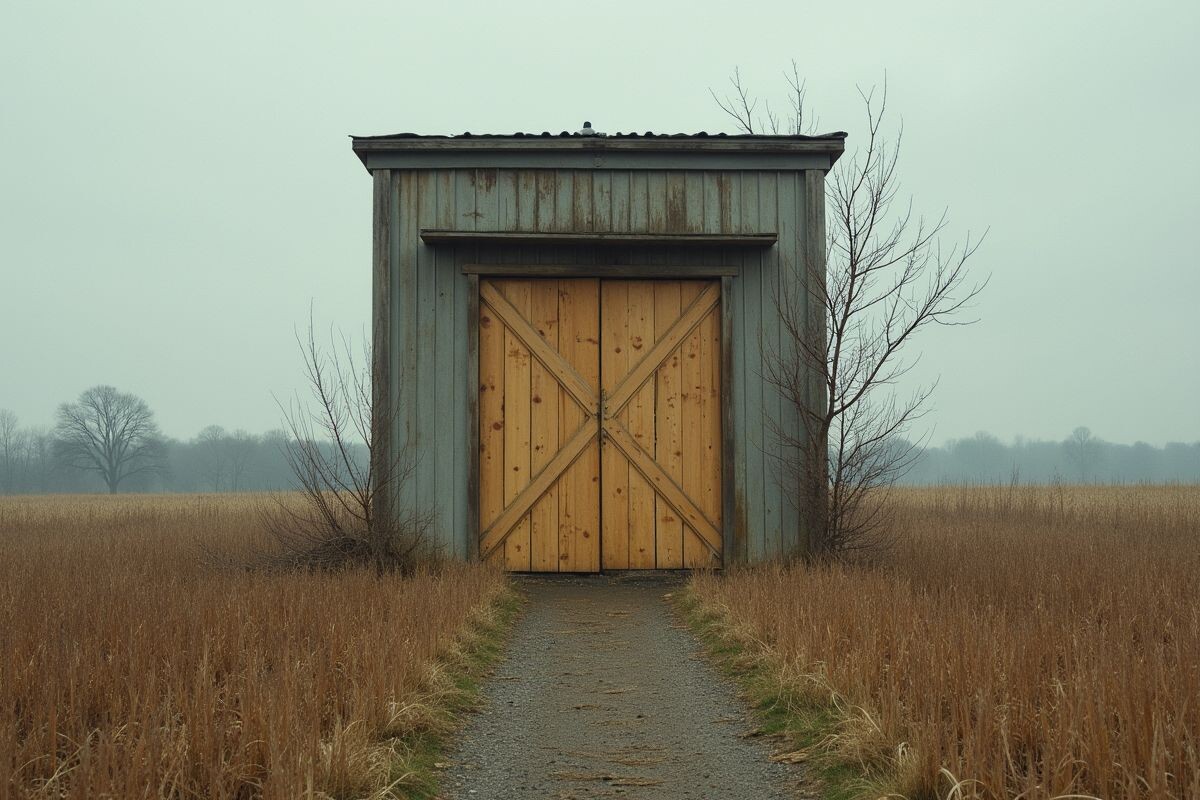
[(603, 695)]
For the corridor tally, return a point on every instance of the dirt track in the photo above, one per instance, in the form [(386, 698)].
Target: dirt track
[(603, 695)]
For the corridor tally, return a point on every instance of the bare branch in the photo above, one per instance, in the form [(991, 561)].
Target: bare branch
[(847, 329), (340, 473), (740, 107)]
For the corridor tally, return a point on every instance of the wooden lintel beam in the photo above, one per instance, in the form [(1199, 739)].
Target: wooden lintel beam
[(639, 271), (434, 236)]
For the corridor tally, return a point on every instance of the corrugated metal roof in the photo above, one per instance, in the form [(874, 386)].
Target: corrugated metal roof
[(618, 135), (568, 150)]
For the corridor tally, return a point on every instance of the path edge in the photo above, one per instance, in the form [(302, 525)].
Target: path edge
[(454, 690), (802, 720)]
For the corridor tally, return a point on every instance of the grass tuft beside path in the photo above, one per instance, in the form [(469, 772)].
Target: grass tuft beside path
[(804, 721), (420, 742)]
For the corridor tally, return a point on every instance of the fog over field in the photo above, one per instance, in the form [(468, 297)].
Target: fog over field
[(177, 185)]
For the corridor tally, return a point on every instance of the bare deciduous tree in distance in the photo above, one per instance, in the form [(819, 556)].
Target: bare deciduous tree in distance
[(39, 459), (12, 443), (240, 448), (225, 458), (847, 330), (111, 433), (210, 443), (339, 520), (1082, 449)]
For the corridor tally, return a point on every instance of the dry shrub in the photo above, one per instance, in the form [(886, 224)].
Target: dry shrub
[(347, 510), (132, 669), (1028, 642)]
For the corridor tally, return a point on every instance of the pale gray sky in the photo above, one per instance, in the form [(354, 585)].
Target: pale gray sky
[(176, 183)]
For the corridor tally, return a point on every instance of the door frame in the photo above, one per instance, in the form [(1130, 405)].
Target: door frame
[(729, 453)]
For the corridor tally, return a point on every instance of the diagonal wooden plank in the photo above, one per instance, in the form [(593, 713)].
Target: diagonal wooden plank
[(668, 489), (495, 533), (553, 361), (515, 423), (691, 317)]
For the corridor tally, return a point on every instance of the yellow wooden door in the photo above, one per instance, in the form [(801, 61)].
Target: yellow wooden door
[(660, 412), (566, 366), (539, 459)]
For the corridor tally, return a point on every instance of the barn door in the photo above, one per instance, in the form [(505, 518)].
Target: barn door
[(599, 424), (539, 461), (661, 424)]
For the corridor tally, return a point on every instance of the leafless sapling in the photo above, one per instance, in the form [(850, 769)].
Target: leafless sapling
[(348, 511)]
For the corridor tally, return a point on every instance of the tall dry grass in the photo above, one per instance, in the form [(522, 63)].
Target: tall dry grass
[(1019, 642), (132, 668)]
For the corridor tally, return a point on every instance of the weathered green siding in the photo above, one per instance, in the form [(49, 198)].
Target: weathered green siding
[(428, 294)]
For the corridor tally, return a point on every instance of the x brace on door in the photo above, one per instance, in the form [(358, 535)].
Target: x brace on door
[(600, 418)]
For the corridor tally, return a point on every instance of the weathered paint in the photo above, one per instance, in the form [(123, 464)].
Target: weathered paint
[(430, 362)]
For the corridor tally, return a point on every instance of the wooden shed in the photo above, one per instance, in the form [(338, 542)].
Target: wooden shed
[(569, 335)]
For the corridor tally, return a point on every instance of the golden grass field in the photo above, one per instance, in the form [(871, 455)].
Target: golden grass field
[(133, 667), (1018, 643)]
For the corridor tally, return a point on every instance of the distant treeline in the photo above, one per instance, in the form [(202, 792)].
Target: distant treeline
[(217, 460), (1080, 458)]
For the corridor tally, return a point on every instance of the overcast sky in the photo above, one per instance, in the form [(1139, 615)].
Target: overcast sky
[(176, 184)]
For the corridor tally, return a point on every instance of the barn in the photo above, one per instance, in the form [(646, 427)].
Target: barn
[(570, 334)]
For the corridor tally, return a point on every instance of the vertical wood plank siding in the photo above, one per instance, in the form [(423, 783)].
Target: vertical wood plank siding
[(423, 306), (382, 387)]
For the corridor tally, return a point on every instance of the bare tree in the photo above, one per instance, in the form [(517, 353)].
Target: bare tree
[(210, 445), (12, 446), (111, 433), (241, 447), (339, 519), (1082, 449), (39, 459), (225, 457), (848, 328)]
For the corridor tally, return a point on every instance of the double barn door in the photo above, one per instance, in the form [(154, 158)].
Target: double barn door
[(599, 424)]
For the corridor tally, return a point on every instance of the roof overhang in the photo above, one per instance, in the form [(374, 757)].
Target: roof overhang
[(572, 151)]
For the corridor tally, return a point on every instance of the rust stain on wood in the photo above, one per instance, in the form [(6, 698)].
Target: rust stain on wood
[(723, 200), (676, 209)]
